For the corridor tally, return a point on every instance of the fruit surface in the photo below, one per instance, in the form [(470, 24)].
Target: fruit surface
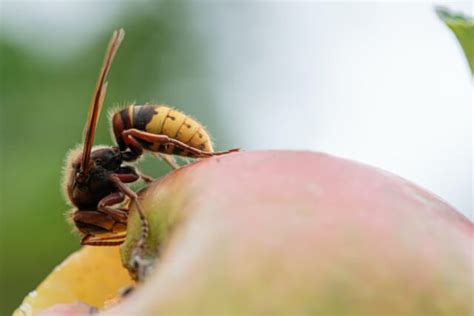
[(91, 275)]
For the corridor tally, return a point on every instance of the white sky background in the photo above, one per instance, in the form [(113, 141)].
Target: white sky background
[(382, 83)]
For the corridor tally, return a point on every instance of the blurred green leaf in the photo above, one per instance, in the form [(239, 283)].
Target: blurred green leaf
[(463, 27)]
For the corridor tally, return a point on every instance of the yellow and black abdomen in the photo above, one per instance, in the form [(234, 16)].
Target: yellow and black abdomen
[(162, 120)]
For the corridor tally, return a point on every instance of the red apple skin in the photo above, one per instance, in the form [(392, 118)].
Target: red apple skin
[(291, 233)]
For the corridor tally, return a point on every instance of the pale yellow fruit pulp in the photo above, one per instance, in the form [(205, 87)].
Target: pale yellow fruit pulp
[(91, 275)]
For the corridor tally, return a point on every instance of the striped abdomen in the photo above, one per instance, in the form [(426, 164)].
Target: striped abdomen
[(162, 120)]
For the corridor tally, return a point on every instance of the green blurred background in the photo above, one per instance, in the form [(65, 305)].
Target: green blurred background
[(357, 80), (43, 109)]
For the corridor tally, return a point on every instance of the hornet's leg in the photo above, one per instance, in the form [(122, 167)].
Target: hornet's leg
[(141, 265), (93, 221), (130, 137), (170, 160), (131, 175), (120, 179), (136, 150), (114, 198), (113, 240), (99, 229), (146, 178)]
